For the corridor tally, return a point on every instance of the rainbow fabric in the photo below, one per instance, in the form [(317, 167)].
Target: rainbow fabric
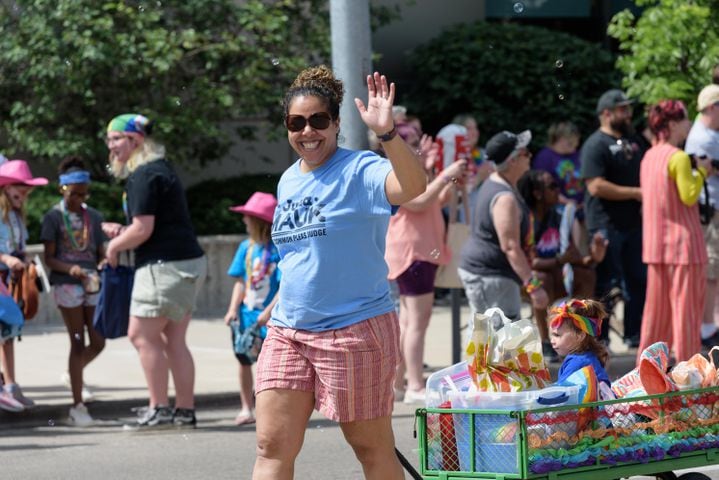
[(590, 326), (586, 379)]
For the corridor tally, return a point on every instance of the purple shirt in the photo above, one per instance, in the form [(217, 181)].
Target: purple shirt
[(564, 169)]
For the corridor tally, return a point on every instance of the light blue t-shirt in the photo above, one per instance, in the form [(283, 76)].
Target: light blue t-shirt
[(330, 227), (702, 140), (265, 280)]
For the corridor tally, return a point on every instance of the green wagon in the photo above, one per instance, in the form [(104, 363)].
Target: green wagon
[(652, 435)]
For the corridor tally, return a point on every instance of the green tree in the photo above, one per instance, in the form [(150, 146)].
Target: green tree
[(68, 66), (510, 77), (670, 50)]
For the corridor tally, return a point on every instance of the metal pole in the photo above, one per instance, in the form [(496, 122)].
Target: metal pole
[(455, 299), (351, 62)]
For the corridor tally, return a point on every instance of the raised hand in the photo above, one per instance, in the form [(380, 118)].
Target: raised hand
[(377, 114)]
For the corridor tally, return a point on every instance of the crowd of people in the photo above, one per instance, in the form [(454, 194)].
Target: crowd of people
[(620, 213)]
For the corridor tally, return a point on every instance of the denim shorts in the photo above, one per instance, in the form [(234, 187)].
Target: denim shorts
[(70, 295), (168, 289)]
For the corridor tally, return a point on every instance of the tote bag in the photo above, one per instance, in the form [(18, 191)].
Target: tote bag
[(457, 234), (24, 289), (112, 312)]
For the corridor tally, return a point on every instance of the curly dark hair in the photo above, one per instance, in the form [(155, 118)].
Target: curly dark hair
[(71, 163), (318, 82), (530, 182)]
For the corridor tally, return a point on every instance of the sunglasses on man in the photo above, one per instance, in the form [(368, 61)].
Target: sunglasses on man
[(317, 121)]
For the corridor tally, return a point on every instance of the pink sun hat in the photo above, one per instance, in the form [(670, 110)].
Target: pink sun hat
[(261, 205), (17, 171)]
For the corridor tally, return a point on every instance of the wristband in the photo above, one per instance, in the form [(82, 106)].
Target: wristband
[(532, 285), (388, 136)]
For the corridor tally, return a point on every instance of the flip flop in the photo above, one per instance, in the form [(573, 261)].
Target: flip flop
[(244, 419)]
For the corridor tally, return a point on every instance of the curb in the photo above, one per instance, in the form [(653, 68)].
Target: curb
[(55, 414)]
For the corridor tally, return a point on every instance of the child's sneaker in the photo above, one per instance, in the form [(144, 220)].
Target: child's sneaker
[(9, 404), (87, 395), (16, 392), (79, 416), (184, 417), (151, 418)]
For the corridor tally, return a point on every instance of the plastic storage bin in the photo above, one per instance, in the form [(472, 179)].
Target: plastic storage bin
[(495, 433), (441, 382)]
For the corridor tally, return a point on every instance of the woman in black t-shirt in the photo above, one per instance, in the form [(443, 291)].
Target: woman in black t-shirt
[(170, 267)]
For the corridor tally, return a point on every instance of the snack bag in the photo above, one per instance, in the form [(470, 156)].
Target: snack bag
[(505, 356)]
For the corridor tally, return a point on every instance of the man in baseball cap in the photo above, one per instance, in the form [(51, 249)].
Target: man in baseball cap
[(702, 142), (611, 99), (493, 265), (610, 160), (503, 144)]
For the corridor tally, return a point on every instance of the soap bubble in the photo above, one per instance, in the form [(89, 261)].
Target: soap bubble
[(559, 63), (51, 422), (518, 7), (275, 61), (560, 96)]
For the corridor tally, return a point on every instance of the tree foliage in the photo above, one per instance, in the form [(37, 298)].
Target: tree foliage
[(510, 77), (68, 66), (669, 51)]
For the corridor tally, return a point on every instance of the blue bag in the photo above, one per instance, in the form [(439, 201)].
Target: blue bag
[(11, 318), (247, 342), (113, 305)]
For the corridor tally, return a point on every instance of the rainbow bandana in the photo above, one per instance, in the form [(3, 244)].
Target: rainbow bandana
[(590, 326), (132, 123)]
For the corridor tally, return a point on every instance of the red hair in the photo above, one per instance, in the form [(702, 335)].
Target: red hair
[(664, 112)]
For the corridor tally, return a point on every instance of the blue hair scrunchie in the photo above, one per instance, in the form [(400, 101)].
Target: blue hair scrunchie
[(78, 176)]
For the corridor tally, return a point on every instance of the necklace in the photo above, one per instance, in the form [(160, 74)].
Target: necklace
[(79, 247)]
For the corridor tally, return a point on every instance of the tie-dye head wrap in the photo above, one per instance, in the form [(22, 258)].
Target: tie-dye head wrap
[(567, 311), (131, 123)]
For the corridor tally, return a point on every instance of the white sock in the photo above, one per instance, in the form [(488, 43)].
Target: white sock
[(708, 329)]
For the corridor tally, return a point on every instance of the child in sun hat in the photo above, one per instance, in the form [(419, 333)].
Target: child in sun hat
[(575, 326), (16, 183), (255, 292)]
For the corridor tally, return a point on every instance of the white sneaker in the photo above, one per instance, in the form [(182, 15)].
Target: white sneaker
[(87, 395), (8, 402), (413, 397), (79, 416)]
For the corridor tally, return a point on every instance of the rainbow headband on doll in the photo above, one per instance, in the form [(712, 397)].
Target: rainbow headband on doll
[(590, 326)]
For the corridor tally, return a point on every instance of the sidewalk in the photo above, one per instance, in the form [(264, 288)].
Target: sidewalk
[(116, 378)]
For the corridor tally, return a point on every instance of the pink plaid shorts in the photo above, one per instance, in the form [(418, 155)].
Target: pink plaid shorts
[(351, 370)]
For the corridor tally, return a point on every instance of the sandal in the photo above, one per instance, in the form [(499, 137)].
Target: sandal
[(244, 418)]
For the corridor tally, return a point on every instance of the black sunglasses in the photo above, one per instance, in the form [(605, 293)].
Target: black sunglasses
[(318, 121), (553, 186)]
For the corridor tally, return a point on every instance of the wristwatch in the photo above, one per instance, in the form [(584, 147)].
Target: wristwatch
[(389, 135)]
